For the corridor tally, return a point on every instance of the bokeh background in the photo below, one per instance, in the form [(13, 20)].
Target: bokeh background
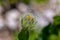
[(44, 11)]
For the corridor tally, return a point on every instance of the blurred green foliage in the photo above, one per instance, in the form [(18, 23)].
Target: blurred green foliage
[(17, 1), (25, 1), (52, 31), (13, 1), (15, 35), (1, 2), (57, 20), (42, 1), (53, 37)]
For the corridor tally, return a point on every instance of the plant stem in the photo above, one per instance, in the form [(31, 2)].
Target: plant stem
[(58, 34)]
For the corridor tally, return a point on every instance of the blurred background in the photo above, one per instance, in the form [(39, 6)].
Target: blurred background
[(12, 10)]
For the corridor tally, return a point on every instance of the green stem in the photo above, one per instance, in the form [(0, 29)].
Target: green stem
[(58, 34)]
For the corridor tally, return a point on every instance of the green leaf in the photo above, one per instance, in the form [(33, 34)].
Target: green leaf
[(57, 20), (23, 35), (45, 33), (33, 35)]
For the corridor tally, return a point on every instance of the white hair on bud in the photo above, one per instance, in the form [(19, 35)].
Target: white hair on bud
[(12, 17)]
